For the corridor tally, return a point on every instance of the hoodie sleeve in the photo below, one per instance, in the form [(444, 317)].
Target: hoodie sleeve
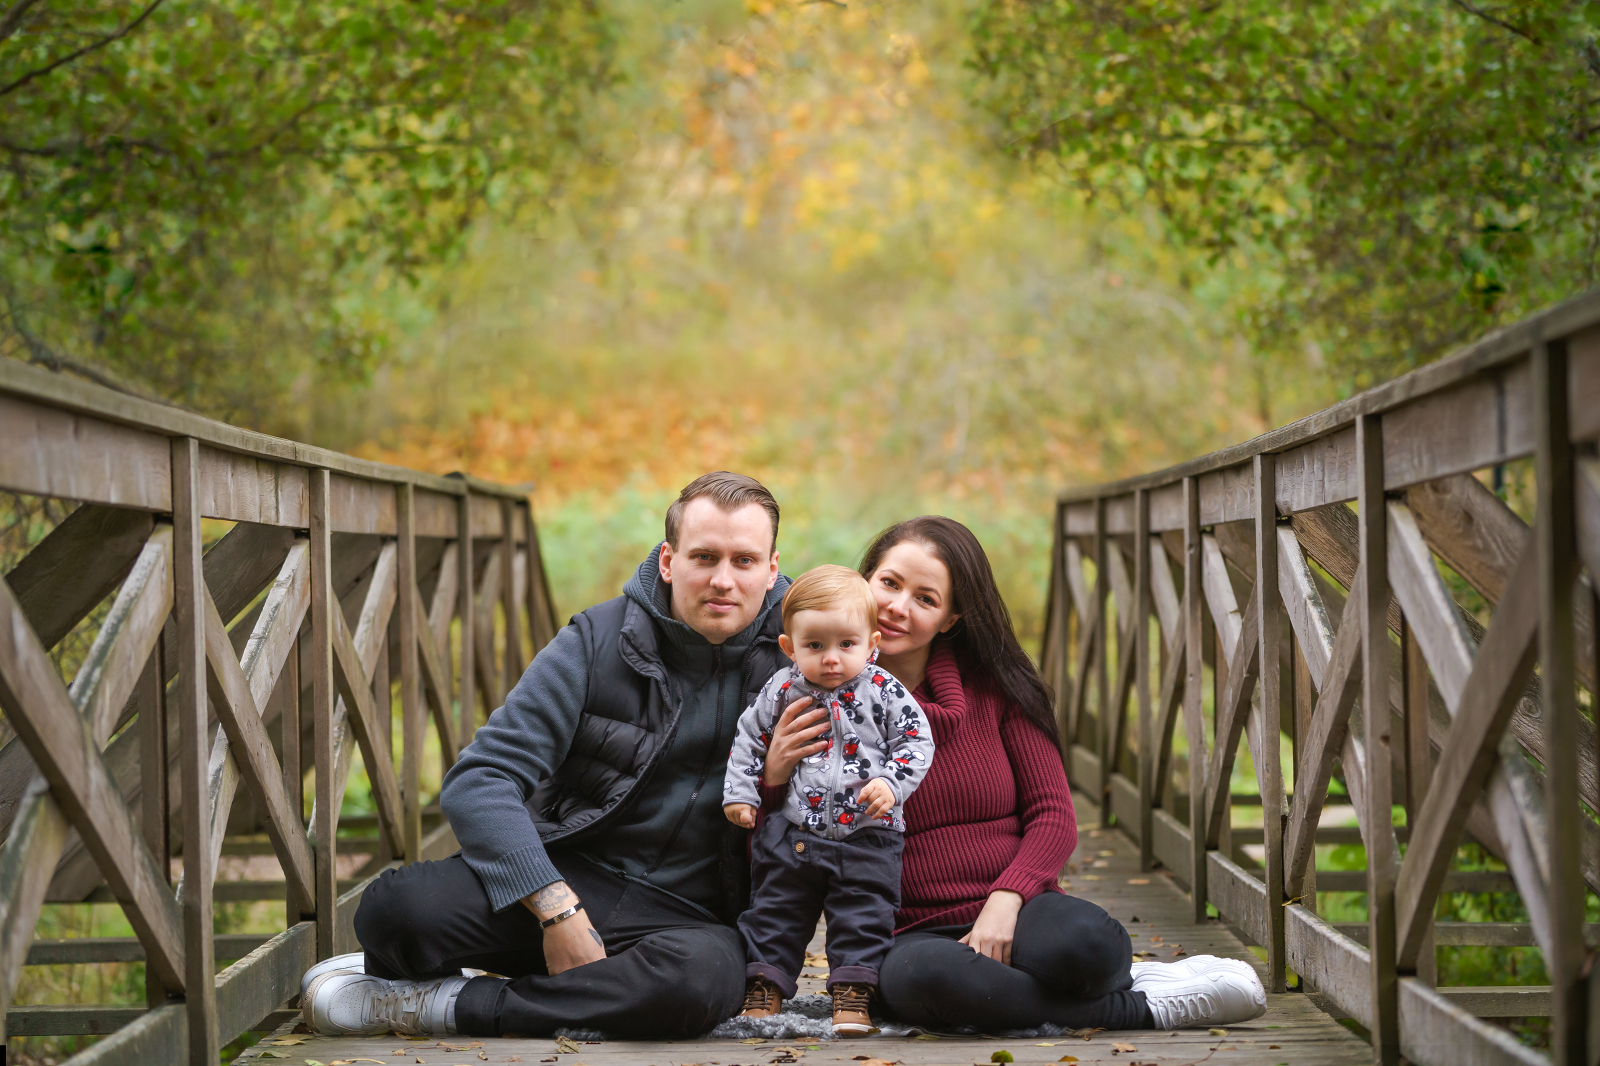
[(748, 759), (522, 744), (909, 743)]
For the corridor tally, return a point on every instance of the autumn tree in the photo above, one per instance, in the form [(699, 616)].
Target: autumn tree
[(209, 200), (1404, 173)]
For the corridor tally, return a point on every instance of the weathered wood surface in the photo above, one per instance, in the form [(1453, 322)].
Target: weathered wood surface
[(1293, 1030)]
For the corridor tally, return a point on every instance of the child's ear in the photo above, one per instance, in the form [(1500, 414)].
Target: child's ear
[(786, 644), (872, 641)]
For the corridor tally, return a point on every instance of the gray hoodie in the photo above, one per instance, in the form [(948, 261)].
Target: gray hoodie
[(671, 834)]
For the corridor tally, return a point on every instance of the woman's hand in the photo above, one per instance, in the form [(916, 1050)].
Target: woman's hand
[(996, 925), (793, 738)]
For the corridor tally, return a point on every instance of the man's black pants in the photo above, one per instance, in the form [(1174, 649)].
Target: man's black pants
[(796, 876), (1069, 967), (668, 972)]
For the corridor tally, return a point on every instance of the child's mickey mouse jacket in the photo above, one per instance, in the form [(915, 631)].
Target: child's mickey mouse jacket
[(875, 730)]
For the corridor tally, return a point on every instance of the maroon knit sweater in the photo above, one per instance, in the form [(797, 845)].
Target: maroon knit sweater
[(994, 811)]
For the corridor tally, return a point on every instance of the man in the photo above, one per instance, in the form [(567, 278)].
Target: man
[(596, 871)]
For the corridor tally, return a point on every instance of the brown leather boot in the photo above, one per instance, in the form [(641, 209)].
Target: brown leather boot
[(762, 999), (850, 1017)]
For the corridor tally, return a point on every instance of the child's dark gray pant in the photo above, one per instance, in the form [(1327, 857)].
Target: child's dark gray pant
[(796, 875)]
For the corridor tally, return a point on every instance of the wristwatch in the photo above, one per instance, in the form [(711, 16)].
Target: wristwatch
[(557, 919)]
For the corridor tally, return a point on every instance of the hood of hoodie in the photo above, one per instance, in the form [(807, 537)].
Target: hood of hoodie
[(647, 589)]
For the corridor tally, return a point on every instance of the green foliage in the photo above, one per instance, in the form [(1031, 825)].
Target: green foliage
[(1407, 173), (209, 186)]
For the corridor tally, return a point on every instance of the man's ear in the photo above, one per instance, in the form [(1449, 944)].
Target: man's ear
[(664, 562), (949, 623), (786, 644), (772, 570)]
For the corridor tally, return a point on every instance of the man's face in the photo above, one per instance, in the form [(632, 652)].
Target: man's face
[(721, 569), (831, 646)]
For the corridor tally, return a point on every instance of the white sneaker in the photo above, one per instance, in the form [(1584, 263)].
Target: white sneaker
[(355, 1004), (355, 962), (1200, 990)]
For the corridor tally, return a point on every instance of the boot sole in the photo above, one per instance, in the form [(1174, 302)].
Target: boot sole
[(850, 1029)]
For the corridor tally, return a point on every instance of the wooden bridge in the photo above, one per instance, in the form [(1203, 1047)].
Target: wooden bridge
[(1240, 593)]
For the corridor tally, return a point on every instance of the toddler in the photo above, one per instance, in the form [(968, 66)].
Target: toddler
[(836, 850)]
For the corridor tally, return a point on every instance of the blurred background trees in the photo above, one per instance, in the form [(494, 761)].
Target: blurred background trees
[(892, 257)]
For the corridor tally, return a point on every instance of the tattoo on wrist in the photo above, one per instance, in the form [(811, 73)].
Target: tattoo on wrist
[(597, 940), (553, 897)]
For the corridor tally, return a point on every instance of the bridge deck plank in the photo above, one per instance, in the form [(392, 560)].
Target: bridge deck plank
[(1292, 1030)]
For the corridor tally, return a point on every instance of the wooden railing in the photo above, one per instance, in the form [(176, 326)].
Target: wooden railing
[(338, 581), (1248, 577)]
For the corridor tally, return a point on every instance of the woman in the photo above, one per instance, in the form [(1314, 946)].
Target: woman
[(984, 938)]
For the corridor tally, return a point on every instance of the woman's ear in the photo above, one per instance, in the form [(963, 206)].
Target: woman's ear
[(949, 623)]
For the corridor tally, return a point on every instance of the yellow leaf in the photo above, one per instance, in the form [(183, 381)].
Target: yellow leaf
[(1216, 1032), (565, 1045), (1068, 1058), (1123, 1047)]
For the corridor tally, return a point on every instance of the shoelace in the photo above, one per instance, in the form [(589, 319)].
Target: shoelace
[(400, 1008), (756, 997), (852, 998)]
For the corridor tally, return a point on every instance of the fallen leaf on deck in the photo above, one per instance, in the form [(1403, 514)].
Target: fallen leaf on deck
[(1002, 1056), (313, 1062), (755, 1040), (274, 1054), (1138, 880), (287, 1041), (1274, 1047), (1156, 939), (1047, 1043), (1179, 950), (552, 1059), (483, 1056), (1135, 918), (1123, 1047), (1104, 854), (565, 1045), (814, 958), (1087, 1033), (879, 1062), (1068, 1058), (924, 1036), (1090, 877), (515, 1058), (1216, 1032)]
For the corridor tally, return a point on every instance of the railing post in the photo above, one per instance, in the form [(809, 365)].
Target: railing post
[(1141, 672), (322, 698), (1381, 859), (154, 806), (512, 666), (1269, 775), (1102, 729), (465, 594), (1558, 570), (1193, 707), (410, 609), (295, 908), (194, 749)]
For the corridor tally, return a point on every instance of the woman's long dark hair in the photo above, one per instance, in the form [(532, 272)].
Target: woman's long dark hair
[(982, 641)]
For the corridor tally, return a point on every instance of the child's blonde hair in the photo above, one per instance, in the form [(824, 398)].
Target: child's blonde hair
[(827, 586)]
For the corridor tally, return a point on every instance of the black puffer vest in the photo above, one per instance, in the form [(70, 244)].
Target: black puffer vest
[(629, 718)]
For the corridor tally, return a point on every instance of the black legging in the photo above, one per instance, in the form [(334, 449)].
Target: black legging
[(1069, 968)]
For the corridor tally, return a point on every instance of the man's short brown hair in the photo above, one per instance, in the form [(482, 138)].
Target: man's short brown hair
[(729, 492)]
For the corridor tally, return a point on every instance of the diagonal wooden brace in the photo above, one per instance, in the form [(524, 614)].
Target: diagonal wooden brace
[(356, 690), (64, 749), (1231, 720)]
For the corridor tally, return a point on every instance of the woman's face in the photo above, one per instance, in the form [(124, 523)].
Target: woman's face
[(912, 587)]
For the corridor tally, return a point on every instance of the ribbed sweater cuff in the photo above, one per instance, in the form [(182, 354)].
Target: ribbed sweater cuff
[(1024, 884), (509, 878), (772, 796)]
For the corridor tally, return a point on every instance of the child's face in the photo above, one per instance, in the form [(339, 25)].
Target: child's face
[(830, 647)]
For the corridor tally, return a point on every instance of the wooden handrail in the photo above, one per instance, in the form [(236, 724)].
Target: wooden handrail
[(1458, 736)]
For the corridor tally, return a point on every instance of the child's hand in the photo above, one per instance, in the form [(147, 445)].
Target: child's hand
[(740, 814), (878, 796)]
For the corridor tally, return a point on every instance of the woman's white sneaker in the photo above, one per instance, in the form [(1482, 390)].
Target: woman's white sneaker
[(341, 1003), (1200, 990), (355, 962)]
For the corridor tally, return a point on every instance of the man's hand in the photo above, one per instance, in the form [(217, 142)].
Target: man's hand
[(570, 942), (740, 814), (792, 740), (878, 797), (992, 933)]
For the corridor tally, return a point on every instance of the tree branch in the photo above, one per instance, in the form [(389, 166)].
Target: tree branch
[(11, 21), (1504, 25), (85, 50)]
